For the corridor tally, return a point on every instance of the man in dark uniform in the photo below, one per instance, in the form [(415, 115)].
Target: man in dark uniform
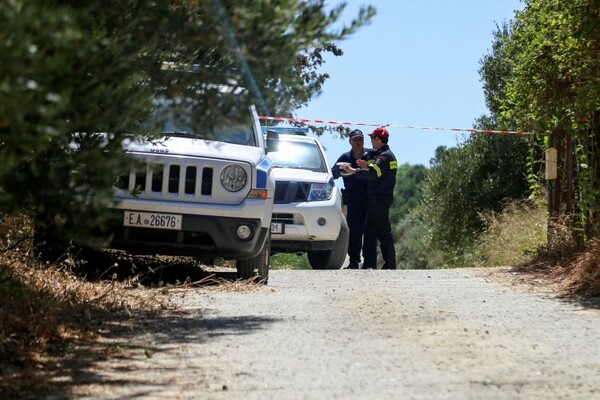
[(380, 173), (355, 195)]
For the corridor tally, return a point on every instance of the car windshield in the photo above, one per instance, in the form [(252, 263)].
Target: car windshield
[(235, 127), (296, 154)]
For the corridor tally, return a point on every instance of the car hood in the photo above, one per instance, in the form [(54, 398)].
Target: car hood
[(300, 175), (189, 147)]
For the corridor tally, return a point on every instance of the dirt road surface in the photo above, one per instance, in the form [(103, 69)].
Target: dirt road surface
[(354, 334)]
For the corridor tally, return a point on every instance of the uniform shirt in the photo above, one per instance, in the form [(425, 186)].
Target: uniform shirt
[(381, 173), (351, 183)]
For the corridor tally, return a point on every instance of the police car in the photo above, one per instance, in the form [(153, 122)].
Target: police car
[(307, 210)]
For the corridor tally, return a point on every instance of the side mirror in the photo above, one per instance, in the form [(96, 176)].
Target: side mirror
[(272, 141)]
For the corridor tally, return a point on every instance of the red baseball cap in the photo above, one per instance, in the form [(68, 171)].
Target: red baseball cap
[(380, 132)]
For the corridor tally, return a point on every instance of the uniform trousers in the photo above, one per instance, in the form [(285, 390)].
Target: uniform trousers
[(377, 227), (355, 216)]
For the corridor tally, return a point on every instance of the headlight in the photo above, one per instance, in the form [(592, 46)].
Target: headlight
[(233, 178), (320, 191)]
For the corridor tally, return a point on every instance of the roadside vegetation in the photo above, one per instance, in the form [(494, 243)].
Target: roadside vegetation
[(513, 237), (47, 312), (290, 261), (540, 76)]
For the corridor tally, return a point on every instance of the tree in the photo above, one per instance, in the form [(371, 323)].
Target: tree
[(71, 70), (67, 72), (410, 249), (407, 192), (479, 175), (552, 86)]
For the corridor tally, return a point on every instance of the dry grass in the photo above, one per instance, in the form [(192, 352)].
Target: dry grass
[(581, 274), (574, 275), (512, 236), (517, 238), (48, 313), (558, 266)]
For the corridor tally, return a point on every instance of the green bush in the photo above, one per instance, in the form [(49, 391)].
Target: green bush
[(289, 261), (411, 251)]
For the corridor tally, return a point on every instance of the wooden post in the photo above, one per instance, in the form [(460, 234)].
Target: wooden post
[(554, 190)]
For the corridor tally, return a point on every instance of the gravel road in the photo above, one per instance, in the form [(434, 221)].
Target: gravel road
[(354, 334)]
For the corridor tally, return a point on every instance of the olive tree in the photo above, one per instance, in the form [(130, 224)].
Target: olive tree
[(79, 78)]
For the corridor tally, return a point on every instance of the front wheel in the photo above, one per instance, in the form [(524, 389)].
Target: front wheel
[(256, 267), (334, 258)]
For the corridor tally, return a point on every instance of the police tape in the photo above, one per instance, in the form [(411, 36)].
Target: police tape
[(431, 128)]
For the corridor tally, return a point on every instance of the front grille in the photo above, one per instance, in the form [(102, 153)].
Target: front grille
[(207, 178), (172, 178), (289, 192), (190, 180), (286, 218)]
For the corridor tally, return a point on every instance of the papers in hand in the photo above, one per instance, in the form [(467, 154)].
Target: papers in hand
[(342, 172)]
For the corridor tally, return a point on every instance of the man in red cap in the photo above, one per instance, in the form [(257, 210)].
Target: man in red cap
[(380, 172)]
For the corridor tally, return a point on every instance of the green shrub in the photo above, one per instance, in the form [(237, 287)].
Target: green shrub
[(289, 261), (411, 250)]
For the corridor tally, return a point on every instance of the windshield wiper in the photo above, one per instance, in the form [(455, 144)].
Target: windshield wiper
[(289, 166), (182, 134)]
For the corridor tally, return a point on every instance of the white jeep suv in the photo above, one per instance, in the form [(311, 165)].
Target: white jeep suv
[(199, 192), (307, 211)]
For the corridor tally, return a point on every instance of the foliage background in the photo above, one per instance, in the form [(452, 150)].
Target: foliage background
[(71, 70)]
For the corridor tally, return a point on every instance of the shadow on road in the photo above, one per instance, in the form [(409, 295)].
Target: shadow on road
[(134, 338), (128, 346)]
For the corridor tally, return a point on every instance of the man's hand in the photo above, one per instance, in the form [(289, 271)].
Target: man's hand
[(362, 164), (348, 168)]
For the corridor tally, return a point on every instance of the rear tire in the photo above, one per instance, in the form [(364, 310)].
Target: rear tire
[(257, 267), (334, 258)]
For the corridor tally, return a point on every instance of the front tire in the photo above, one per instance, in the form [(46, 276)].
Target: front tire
[(334, 258), (256, 267)]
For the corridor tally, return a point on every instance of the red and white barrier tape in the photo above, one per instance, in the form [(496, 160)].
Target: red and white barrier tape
[(327, 122)]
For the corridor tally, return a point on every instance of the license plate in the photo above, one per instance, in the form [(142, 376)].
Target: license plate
[(152, 220), (277, 227)]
